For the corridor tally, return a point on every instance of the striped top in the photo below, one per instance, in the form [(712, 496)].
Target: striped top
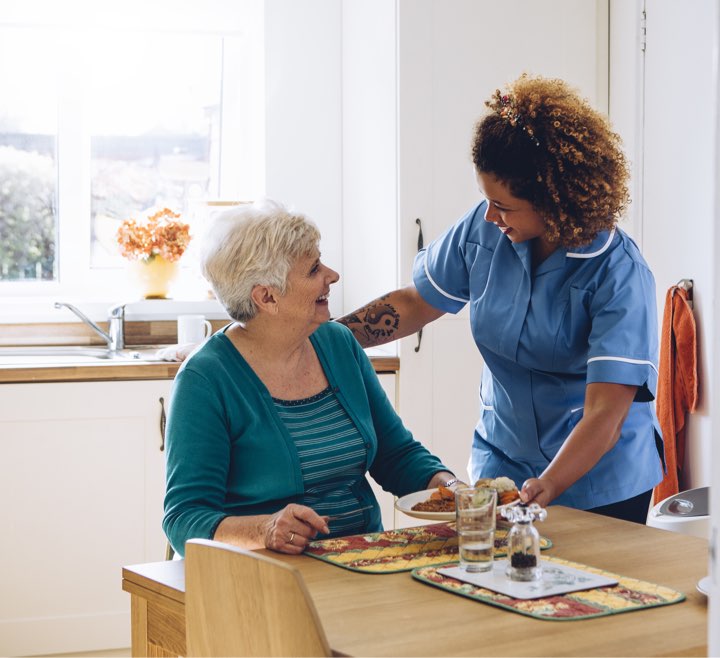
[(332, 457)]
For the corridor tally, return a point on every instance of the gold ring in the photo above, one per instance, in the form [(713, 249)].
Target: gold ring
[(292, 536)]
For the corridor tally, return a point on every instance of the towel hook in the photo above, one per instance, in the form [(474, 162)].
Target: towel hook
[(687, 286)]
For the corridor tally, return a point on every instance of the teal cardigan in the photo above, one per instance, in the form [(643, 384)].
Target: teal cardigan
[(229, 454)]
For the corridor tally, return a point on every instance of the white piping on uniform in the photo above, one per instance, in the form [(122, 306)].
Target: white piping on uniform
[(594, 253), (572, 411), (438, 288), (639, 362), (483, 406)]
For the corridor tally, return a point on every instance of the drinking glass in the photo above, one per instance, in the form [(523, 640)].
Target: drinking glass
[(475, 524)]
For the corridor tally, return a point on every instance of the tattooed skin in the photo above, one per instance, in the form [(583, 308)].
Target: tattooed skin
[(373, 324)]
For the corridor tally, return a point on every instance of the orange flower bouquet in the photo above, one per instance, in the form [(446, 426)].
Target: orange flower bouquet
[(154, 246), (161, 234)]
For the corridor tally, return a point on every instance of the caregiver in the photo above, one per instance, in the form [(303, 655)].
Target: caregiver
[(562, 306)]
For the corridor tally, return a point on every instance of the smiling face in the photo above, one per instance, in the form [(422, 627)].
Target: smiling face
[(516, 218), (308, 287)]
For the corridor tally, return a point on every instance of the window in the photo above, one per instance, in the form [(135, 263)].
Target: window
[(28, 162), (154, 105)]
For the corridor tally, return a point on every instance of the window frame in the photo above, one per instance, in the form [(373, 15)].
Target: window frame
[(241, 162)]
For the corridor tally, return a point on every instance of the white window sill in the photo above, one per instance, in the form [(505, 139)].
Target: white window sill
[(40, 310)]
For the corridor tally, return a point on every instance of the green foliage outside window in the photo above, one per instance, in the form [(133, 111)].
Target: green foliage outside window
[(27, 215)]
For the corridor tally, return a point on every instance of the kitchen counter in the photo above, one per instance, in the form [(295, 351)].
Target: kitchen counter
[(145, 367)]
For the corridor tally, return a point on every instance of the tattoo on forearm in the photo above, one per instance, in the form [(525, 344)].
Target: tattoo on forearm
[(373, 324)]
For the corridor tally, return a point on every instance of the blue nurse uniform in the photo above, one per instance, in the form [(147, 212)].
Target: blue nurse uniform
[(583, 315)]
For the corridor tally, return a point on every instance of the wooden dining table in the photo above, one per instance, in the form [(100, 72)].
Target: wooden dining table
[(395, 615)]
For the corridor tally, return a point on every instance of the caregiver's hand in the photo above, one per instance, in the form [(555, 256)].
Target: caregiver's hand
[(538, 490), (290, 529)]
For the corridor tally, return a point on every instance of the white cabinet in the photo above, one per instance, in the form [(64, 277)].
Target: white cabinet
[(82, 495), (386, 499)]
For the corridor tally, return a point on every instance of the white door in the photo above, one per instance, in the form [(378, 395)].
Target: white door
[(679, 210), (452, 54)]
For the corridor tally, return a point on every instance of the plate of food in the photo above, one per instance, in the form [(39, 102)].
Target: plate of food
[(439, 504)]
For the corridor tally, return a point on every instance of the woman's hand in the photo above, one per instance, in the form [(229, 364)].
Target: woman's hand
[(605, 410), (538, 490), (290, 529), (177, 352), (441, 477)]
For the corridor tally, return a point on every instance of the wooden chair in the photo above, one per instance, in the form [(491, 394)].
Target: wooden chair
[(241, 603)]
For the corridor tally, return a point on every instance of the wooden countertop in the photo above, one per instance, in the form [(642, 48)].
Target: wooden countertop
[(121, 371), (394, 615)]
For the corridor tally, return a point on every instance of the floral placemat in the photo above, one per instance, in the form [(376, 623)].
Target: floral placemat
[(628, 595), (399, 550)]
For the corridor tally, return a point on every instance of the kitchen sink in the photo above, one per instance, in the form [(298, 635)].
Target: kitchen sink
[(51, 355)]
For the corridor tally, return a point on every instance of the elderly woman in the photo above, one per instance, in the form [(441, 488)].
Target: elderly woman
[(275, 421)]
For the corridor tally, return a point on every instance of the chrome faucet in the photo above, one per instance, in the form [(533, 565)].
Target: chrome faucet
[(115, 336)]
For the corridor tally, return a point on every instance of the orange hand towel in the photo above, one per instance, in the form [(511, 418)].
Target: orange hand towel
[(677, 391)]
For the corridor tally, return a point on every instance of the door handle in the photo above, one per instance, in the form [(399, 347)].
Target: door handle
[(162, 424), (420, 245)]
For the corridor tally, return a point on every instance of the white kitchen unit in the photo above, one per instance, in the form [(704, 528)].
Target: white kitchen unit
[(386, 500), (83, 478), (83, 481)]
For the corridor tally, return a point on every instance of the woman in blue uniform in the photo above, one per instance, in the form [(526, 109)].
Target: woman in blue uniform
[(562, 306)]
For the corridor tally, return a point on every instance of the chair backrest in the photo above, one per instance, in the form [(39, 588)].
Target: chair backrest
[(240, 603)]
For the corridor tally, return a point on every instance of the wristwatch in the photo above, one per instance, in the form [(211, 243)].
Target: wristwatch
[(450, 482)]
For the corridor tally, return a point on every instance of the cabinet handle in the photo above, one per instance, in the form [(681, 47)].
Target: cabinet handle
[(420, 244), (162, 424)]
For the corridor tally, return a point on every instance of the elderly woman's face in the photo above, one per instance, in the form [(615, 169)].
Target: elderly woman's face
[(308, 288)]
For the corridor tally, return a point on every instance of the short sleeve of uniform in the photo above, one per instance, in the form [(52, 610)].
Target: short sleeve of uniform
[(440, 272), (623, 342)]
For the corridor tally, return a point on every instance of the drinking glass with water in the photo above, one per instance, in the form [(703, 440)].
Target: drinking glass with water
[(475, 524)]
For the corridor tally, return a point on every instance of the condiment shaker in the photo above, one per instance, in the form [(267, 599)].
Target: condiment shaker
[(524, 541)]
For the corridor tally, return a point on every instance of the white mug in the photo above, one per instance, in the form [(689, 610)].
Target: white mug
[(192, 329)]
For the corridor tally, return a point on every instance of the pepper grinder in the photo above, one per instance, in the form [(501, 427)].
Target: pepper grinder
[(524, 542)]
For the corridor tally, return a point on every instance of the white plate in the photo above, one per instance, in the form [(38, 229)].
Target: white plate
[(406, 503), (703, 586)]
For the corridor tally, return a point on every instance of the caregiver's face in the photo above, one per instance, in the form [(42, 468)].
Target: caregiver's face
[(516, 218)]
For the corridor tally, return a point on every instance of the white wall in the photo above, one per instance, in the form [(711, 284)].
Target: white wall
[(665, 104), (369, 148), (331, 133), (678, 183), (625, 106), (303, 131), (714, 606), (668, 144)]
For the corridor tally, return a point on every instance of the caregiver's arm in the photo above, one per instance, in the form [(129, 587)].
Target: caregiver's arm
[(605, 410), (394, 315)]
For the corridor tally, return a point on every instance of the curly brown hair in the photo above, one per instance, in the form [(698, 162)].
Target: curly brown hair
[(551, 148)]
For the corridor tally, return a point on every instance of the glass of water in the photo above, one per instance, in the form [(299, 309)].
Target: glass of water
[(475, 524)]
